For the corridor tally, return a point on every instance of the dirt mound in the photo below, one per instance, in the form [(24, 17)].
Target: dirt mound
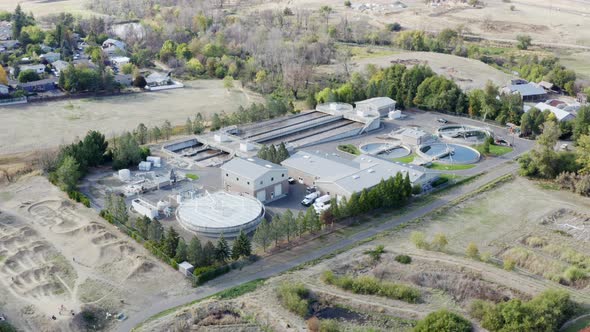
[(142, 267)]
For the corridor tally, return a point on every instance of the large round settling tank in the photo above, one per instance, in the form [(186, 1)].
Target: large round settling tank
[(449, 153), (463, 133), (220, 213)]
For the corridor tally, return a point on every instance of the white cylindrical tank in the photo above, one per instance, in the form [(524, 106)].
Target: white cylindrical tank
[(124, 174)]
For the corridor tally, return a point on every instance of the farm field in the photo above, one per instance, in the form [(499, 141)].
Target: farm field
[(44, 7), (498, 224), (58, 257), (45, 125)]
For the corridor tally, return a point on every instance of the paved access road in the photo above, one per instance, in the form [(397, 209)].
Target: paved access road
[(286, 260)]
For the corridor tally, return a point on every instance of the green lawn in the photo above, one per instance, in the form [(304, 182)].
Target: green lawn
[(349, 148), (192, 176), (450, 167), (495, 150), (407, 159)]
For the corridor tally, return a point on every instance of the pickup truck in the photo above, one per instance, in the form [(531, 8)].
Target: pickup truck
[(322, 204), (310, 198)]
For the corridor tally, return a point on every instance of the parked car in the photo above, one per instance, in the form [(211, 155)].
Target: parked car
[(442, 120), (310, 190), (291, 180), (310, 198), (564, 147)]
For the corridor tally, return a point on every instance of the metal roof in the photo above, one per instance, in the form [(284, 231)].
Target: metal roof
[(251, 168), (529, 89), (377, 102), (322, 166), (560, 114)]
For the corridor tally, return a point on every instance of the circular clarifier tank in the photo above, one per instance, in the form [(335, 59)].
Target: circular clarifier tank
[(450, 153), (385, 150)]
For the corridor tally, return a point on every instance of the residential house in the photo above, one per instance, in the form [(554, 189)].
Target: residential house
[(113, 47), (59, 66), (51, 57), (5, 30), (48, 84), (255, 177), (124, 79), (157, 79), (39, 69), (119, 61)]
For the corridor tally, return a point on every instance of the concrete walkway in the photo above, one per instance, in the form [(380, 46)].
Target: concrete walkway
[(286, 260)]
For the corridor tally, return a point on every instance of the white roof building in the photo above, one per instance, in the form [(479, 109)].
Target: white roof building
[(336, 175), (383, 105), (560, 114)]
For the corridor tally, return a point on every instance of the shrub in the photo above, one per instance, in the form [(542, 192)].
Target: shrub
[(419, 240), (443, 321), (440, 181), (403, 259), (349, 148), (509, 264), (486, 257), (313, 324), (416, 189), (439, 243), (212, 274), (472, 251), (376, 253), (371, 286), (574, 273), (347, 3), (294, 297), (329, 325)]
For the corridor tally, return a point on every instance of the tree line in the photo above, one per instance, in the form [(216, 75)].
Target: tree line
[(274, 154), (391, 193)]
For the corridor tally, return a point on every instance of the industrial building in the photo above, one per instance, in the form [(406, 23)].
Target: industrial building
[(255, 177), (145, 208), (411, 136), (335, 175), (220, 213), (382, 105)]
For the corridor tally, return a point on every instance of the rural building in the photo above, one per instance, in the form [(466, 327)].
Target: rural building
[(48, 84), (4, 90), (528, 91), (548, 86), (39, 69), (124, 79), (5, 30), (51, 57), (342, 177), (145, 166), (383, 105), (157, 79), (113, 47), (560, 114), (6, 45), (145, 208), (119, 61), (60, 66), (256, 177), (186, 268)]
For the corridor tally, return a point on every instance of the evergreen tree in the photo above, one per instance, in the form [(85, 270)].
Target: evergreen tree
[(353, 205), (263, 152), (301, 224), (363, 202), (276, 229), (282, 153), (181, 251), (194, 253), (209, 252), (142, 225), (262, 236), (289, 224), (242, 246), (170, 242), (343, 208), (335, 208), (222, 252), (272, 154), (312, 220), (155, 231), (407, 186)]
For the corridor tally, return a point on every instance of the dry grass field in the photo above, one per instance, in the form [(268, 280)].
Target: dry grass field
[(45, 7), (549, 225), (57, 256), (44, 125)]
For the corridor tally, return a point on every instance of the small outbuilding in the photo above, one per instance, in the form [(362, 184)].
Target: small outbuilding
[(186, 268), (145, 208), (145, 166)]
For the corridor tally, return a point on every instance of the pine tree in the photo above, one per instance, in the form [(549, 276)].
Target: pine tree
[(272, 154), (222, 252), (276, 229), (289, 224), (263, 152), (208, 253), (407, 186), (283, 153), (155, 231), (312, 220), (241, 246), (363, 203), (170, 242), (353, 205), (335, 208), (194, 253), (181, 251), (343, 208), (142, 225), (262, 236), (301, 224)]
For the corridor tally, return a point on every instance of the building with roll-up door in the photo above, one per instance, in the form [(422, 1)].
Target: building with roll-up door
[(256, 177)]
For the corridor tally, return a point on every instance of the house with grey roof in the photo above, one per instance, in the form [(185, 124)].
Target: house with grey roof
[(335, 175), (60, 66), (560, 113), (48, 84), (113, 47), (255, 177), (51, 57), (383, 105)]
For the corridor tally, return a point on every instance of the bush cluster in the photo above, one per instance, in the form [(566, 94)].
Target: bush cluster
[(371, 286), (295, 297)]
